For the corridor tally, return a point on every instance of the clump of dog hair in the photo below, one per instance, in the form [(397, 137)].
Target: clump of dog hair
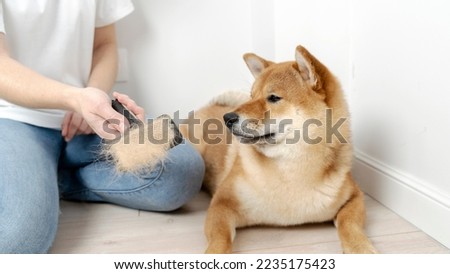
[(143, 146)]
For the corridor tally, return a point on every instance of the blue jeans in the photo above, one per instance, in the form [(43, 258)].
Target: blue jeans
[(37, 168)]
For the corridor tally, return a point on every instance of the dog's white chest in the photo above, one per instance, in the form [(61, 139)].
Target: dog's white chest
[(286, 202)]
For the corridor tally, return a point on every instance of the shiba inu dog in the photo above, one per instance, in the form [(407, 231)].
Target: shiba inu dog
[(281, 156)]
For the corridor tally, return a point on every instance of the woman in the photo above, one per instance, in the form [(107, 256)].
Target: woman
[(58, 60)]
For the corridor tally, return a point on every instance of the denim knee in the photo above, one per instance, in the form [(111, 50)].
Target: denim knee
[(180, 180), (29, 203), (189, 170), (30, 232), (188, 182)]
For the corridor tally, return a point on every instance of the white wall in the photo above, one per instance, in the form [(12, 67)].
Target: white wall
[(181, 53), (322, 26), (392, 57), (401, 107), (401, 87)]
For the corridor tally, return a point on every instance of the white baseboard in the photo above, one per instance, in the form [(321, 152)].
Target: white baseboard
[(410, 198)]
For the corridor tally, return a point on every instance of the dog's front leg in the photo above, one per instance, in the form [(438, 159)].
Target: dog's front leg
[(220, 225), (350, 224)]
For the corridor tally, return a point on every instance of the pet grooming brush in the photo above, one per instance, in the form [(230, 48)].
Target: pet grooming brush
[(143, 145), (117, 106)]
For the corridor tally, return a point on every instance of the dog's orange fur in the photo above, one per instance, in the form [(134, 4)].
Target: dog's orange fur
[(281, 184)]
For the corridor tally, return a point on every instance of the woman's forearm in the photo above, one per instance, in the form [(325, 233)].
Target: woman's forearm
[(104, 59), (22, 86)]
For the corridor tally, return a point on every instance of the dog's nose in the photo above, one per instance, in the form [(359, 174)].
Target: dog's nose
[(230, 119)]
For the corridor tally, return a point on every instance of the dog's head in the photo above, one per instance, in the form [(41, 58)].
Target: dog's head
[(283, 96)]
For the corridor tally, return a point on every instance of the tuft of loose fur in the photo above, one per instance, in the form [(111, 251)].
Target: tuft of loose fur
[(143, 146)]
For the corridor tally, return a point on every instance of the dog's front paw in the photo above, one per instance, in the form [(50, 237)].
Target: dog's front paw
[(366, 248), (218, 249)]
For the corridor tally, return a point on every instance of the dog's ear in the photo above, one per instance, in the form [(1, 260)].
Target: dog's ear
[(310, 68), (255, 63)]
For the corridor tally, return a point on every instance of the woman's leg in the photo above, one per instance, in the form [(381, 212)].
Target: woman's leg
[(167, 187), (29, 200)]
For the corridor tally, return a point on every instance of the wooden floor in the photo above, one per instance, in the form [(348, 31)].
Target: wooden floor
[(105, 228)]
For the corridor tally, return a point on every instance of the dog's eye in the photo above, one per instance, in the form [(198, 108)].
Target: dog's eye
[(273, 98)]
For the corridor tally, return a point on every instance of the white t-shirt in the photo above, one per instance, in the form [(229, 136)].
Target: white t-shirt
[(54, 38)]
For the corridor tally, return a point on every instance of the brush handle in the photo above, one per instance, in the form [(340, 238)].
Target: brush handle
[(117, 106), (178, 137)]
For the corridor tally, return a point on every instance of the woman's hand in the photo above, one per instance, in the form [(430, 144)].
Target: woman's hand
[(94, 105), (74, 124)]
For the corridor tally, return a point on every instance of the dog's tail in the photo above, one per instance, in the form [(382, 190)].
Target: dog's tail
[(231, 98)]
